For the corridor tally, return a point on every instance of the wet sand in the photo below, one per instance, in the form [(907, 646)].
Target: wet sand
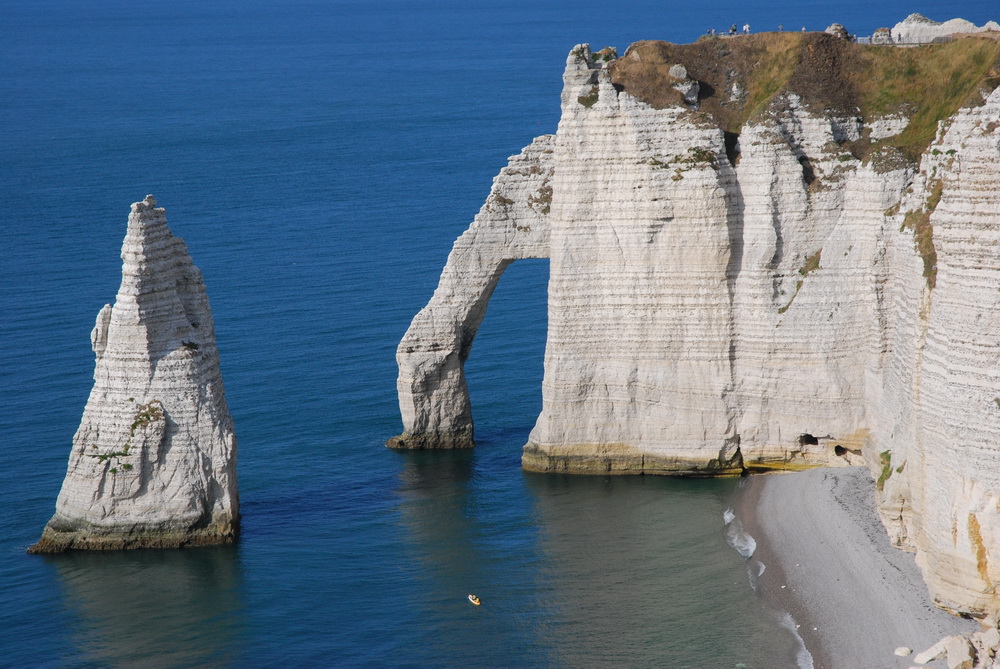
[(829, 563)]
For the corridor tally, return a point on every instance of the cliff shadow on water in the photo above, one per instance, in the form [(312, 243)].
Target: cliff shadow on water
[(465, 534), (632, 564), (573, 571), (155, 607)]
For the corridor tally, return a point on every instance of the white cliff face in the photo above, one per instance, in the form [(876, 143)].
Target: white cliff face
[(918, 29), (936, 440), (803, 302), (637, 360), (154, 460), (703, 318), (723, 304)]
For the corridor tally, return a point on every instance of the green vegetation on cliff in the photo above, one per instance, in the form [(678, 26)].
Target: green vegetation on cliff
[(740, 78)]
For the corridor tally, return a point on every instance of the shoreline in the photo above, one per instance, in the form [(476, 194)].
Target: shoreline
[(829, 564), (780, 601)]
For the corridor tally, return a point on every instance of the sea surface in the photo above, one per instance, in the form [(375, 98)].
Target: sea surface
[(319, 157)]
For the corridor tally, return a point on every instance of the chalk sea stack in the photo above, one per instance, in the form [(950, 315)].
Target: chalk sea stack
[(154, 460), (797, 267)]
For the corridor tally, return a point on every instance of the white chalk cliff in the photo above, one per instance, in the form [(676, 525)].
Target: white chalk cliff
[(511, 225), (153, 463), (918, 29), (770, 296)]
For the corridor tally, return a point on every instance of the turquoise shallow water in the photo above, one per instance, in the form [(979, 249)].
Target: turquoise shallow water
[(319, 158)]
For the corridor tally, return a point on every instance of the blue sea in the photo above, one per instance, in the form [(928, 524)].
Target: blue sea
[(319, 157)]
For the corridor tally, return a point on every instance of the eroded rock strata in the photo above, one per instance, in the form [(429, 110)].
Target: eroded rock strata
[(797, 265), (511, 225), (154, 460)]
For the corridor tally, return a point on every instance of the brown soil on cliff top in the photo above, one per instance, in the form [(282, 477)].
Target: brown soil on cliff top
[(740, 76)]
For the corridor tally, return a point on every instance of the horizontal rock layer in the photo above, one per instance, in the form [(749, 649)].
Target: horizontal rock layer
[(777, 290), (153, 462), (511, 225)]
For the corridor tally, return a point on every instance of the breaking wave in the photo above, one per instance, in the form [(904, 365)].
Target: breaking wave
[(744, 544)]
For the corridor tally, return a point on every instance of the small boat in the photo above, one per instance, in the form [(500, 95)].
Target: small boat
[(474, 600)]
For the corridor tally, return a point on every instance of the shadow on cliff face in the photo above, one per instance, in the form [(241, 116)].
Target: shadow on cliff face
[(434, 472), (155, 607)]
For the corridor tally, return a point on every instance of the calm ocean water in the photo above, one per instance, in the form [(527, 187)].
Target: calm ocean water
[(319, 158)]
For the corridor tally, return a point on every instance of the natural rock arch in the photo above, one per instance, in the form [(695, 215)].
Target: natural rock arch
[(512, 225)]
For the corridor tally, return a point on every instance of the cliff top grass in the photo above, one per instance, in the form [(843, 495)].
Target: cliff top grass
[(741, 76)]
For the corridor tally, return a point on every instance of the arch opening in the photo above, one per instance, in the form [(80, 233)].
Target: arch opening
[(504, 370)]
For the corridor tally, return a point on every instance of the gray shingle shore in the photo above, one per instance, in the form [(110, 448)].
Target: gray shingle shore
[(854, 596)]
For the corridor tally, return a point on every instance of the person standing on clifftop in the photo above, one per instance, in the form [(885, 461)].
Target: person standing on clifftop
[(746, 28), (732, 29)]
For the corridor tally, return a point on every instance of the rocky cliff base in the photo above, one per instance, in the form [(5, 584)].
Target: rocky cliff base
[(75, 537)]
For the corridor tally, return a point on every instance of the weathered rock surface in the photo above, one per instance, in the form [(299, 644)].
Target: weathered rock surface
[(918, 29), (154, 460), (838, 31), (958, 651), (512, 224), (754, 295), (934, 411), (882, 37)]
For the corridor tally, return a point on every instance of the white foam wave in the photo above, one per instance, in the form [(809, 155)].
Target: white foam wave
[(754, 571), (803, 658), (740, 540), (746, 545)]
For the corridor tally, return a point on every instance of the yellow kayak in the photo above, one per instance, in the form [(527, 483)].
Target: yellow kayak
[(474, 600)]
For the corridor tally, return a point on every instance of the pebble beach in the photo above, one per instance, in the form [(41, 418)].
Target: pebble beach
[(852, 597)]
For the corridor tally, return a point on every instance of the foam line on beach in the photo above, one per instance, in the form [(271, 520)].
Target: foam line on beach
[(803, 658), (743, 543), (831, 566), (738, 538)]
